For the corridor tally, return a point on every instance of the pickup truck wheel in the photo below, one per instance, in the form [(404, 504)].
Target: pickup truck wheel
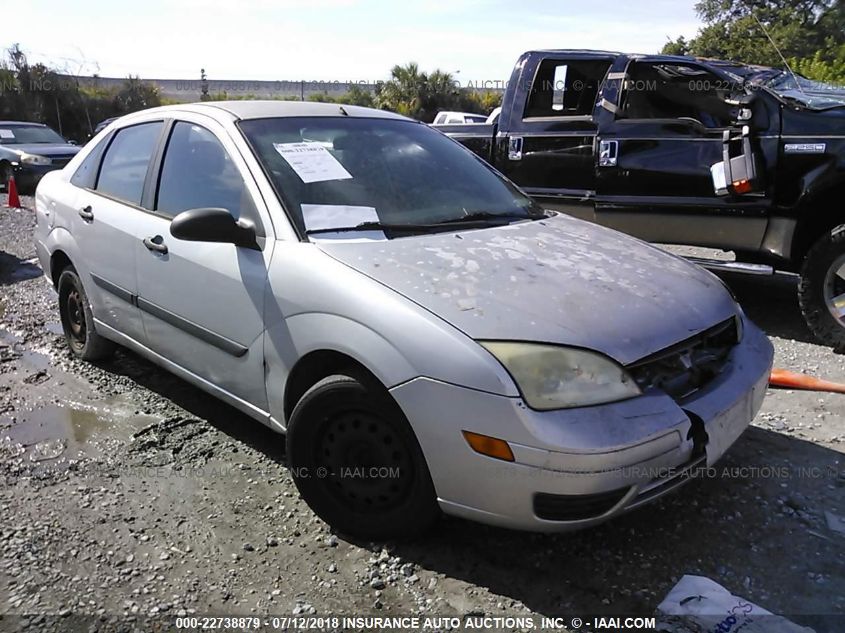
[(78, 321), (821, 292), (356, 461)]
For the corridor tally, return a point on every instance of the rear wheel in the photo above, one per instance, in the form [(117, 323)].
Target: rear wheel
[(78, 321), (821, 291), (356, 461)]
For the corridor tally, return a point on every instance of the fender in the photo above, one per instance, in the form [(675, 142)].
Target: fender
[(60, 239), (288, 341)]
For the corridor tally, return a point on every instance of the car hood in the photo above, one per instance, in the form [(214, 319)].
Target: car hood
[(44, 149), (561, 280)]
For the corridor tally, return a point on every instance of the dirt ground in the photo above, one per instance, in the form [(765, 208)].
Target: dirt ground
[(125, 491)]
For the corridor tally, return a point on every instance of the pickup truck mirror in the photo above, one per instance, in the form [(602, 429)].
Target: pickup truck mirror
[(741, 111), (740, 99), (213, 225)]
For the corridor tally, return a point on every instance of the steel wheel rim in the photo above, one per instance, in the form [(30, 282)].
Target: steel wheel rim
[(363, 461), (77, 329)]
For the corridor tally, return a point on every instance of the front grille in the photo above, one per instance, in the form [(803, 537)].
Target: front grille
[(683, 369), (576, 507)]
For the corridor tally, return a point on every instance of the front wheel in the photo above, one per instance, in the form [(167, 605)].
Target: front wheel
[(821, 292), (356, 461), (5, 176)]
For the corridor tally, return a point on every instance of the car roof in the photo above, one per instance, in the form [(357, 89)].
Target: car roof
[(731, 66), (273, 109)]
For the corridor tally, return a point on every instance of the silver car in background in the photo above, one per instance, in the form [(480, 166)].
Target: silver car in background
[(427, 338)]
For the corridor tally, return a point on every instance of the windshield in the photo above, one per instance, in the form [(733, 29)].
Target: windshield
[(27, 134), (812, 94), (345, 171)]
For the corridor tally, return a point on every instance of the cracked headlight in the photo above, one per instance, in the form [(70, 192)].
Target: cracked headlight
[(555, 377), (34, 159)]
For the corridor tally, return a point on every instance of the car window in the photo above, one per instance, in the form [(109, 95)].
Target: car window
[(675, 91), (455, 119), (124, 167), (403, 172), (29, 134), (441, 118), (564, 88), (198, 173), (86, 174)]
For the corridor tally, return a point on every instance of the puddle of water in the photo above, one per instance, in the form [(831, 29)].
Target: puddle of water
[(73, 430)]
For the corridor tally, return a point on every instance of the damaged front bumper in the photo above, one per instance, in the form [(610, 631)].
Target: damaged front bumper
[(577, 467)]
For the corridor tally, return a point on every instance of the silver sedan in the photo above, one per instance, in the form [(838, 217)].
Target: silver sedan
[(426, 337)]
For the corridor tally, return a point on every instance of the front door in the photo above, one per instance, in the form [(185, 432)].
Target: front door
[(202, 303), (550, 142), (657, 143)]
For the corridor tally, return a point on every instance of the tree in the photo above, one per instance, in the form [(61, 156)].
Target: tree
[(810, 32), (421, 96), (137, 95)]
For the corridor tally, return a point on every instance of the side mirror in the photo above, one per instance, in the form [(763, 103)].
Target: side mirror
[(213, 225), (740, 103)]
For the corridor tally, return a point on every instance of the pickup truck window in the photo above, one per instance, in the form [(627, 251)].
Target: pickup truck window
[(675, 91), (565, 88)]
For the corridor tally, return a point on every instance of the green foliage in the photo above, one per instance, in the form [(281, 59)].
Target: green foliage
[(822, 68), (809, 33), (38, 93), (417, 94)]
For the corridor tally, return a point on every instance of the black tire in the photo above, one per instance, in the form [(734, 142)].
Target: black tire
[(5, 175), (819, 283), (78, 321), (356, 461)]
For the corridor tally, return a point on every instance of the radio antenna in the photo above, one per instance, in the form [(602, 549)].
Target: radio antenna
[(783, 59)]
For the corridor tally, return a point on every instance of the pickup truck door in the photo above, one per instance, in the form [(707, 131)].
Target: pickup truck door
[(546, 138), (662, 125)]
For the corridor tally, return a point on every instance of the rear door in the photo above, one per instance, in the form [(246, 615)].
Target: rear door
[(660, 133), (105, 219), (547, 146), (202, 303)]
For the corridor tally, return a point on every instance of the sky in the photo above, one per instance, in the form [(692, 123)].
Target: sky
[(328, 40)]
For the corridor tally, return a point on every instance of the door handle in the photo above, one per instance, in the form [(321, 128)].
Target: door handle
[(86, 214), (156, 244), (608, 153)]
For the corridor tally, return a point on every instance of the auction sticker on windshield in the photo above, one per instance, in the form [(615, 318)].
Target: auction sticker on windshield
[(331, 216), (312, 162), (7, 134)]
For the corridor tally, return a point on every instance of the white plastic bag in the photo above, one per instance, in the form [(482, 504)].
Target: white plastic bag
[(699, 605)]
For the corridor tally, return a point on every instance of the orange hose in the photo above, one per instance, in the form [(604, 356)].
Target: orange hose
[(792, 380)]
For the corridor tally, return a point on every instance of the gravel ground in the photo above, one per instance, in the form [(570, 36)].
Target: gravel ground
[(126, 491)]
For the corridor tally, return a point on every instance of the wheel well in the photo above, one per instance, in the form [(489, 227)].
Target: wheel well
[(312, 368), (823, 213), (58, 262)]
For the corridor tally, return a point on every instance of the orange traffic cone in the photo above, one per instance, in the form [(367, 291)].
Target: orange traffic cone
[(792, 380), (14, 199)]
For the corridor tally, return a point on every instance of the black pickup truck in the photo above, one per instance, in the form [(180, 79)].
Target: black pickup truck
[(682, 150)]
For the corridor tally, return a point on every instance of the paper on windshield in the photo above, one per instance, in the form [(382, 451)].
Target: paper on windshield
[(312, 162), (7, 134), (336, 216)]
